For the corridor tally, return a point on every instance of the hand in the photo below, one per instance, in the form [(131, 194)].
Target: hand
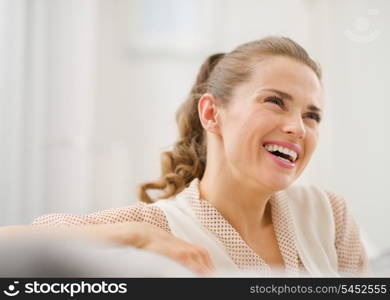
[(152, 238), (140, 235), (192, 256)]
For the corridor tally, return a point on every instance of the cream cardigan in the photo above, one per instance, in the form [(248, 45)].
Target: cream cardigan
[(315, 232), (315, 240)]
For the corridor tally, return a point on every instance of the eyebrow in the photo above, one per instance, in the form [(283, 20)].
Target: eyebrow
[(286, 96)]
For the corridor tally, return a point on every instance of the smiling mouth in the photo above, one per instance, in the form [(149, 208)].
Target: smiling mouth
[(283, 153)]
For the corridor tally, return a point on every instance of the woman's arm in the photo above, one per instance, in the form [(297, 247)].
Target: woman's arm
[(126, 233), (136, 213), (137, 234)]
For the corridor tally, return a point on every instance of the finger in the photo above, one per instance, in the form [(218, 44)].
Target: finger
[(191, 258), (193, 265), (207, 259), (199, 258), (199, 268)]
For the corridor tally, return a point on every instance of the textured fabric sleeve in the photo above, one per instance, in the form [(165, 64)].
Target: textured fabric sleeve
[(352, 257), (147, 213)]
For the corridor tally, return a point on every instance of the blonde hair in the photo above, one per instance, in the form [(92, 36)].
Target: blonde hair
[(218, 75)]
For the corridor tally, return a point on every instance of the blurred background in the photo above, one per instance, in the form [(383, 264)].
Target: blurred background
[(89, 90)]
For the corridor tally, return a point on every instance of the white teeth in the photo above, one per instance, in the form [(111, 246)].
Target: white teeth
[(291, 153)]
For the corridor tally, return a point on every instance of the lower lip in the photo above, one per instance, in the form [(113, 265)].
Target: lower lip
[(280, 162)]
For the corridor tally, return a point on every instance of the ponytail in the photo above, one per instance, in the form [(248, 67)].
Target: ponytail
[(187, 160)]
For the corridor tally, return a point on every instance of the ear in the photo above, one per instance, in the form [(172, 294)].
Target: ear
[(208, 112)]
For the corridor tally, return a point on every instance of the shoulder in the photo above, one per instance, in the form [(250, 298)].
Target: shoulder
[(140, 212), (137, 212), (338, 205)]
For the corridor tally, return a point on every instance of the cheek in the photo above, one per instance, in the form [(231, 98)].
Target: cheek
[(311, 143), (243, 131), (310, 146), (240, 140)]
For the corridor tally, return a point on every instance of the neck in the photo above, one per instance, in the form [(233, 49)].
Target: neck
[(244, 205)]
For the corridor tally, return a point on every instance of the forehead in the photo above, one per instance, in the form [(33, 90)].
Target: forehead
[(287, 75)]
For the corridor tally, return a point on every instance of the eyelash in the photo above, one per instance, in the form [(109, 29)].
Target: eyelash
[(278, 101), (314, 116)]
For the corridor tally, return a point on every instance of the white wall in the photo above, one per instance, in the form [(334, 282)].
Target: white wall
[(116, 80), (355, 63), (48, 55)]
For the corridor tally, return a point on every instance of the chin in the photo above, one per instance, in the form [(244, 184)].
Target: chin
[(276, 187), (277, 184)]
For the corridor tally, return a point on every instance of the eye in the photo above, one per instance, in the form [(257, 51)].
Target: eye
[(314, 116), (276, 100)]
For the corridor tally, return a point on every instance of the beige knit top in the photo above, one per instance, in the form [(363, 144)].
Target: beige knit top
[(352, 258)]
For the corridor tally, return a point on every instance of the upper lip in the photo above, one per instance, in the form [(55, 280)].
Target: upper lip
[(295, 147)]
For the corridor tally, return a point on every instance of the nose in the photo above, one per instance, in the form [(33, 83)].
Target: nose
[(294, 126)]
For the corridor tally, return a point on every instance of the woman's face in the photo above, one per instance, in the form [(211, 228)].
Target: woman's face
[(270, 128)]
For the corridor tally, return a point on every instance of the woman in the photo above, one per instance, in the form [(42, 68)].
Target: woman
[(247, 131)]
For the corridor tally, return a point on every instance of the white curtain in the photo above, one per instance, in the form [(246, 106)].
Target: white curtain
[(12, 82), (47, 59)]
